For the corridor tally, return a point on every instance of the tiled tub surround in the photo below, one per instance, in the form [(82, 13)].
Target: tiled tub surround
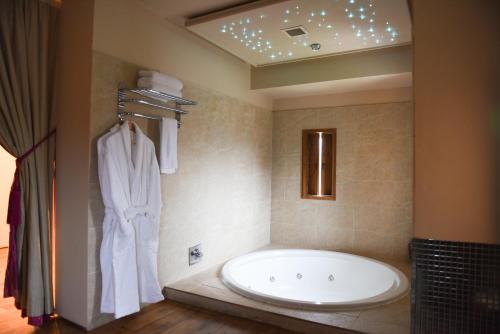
[(220, 195), (372, 214), (207, 290)]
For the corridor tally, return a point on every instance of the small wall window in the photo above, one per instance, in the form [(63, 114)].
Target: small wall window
[(318, 163)]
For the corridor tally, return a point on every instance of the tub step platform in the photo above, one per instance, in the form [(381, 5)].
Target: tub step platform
[(206, 290), (256, 314)]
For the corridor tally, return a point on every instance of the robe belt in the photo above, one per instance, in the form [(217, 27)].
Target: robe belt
[(132, 211)]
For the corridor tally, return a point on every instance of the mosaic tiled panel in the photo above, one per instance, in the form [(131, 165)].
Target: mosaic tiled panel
[(455, 287)]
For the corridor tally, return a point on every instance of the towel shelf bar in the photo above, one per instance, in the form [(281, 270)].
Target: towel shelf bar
[(144, 102), (121, 116), (155, 99), (163, 96)]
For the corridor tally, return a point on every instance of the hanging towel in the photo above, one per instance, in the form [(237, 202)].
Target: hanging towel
[(168, 145), (163, 79), (148, 83)]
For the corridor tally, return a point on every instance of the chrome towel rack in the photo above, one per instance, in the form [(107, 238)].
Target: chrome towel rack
[(151, 98)]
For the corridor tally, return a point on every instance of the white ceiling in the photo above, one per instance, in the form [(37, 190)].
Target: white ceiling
[(179, 11), (340, 26), (377, 82)]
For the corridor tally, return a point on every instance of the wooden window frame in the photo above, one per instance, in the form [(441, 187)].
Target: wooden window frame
[(305, 165)]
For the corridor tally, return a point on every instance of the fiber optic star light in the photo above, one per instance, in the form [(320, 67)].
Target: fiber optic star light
[(256, 35)]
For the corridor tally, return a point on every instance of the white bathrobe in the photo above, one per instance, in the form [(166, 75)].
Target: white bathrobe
[(130, 185)]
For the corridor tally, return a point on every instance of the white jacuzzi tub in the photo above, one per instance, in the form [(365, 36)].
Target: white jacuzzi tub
[(314, 279)]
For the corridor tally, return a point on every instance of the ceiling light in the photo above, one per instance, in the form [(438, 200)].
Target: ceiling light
[(315, 46)]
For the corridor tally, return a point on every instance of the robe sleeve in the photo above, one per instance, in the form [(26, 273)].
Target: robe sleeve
[(113, 197)]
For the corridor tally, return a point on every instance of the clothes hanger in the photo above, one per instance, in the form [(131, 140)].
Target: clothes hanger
[(131, 126)]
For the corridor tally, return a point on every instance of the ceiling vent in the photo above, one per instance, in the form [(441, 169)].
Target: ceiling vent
[(294, 32)]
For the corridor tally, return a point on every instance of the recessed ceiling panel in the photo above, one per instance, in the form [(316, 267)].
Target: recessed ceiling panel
[(259, 35)]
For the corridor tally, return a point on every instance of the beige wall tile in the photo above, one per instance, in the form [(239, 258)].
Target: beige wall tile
[(221, 194), (373, 213)]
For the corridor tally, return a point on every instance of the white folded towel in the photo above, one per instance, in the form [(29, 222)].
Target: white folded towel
[(168, 145), (150, 84), (163, 79)]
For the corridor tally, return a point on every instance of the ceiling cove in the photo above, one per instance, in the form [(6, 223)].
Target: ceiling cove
[(269, 32)]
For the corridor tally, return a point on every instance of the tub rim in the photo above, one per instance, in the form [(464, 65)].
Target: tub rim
[(393, 294)]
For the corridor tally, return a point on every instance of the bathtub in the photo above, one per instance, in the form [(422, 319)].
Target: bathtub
[(312, 279)]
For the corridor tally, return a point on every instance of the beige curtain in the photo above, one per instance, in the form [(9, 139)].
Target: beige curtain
[(27, 42)]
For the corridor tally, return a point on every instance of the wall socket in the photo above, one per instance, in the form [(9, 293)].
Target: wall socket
[(195, 254)]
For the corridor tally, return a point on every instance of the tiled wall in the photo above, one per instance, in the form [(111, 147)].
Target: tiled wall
[(373, 212), (219, 197)]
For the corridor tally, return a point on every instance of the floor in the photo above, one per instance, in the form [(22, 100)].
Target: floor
[(166, 317), (206, 289)]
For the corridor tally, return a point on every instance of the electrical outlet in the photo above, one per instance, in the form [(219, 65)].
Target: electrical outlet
[(195, 254)]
